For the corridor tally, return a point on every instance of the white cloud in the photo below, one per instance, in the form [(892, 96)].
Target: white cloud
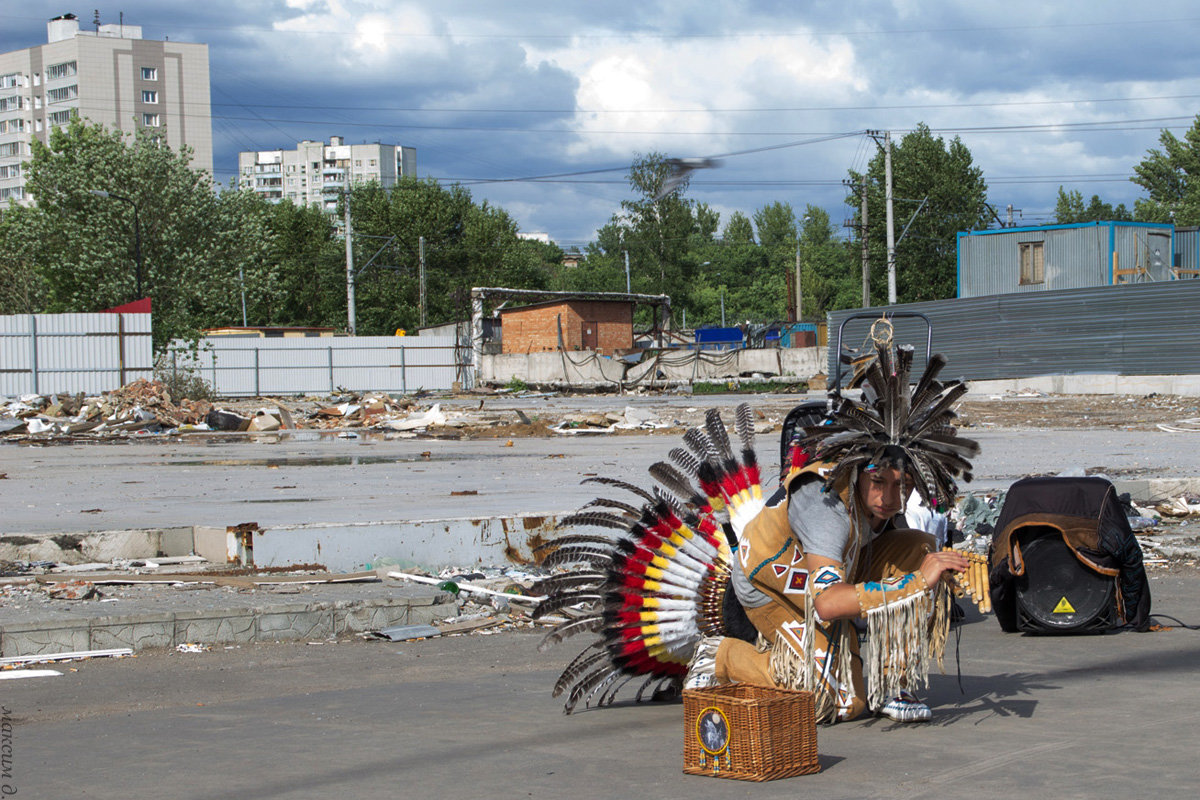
[(656, 89)]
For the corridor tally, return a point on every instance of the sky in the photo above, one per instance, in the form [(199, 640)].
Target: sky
[(494, 94)]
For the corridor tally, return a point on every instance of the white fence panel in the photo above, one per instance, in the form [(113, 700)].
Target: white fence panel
[(249, 367), (71, 353)]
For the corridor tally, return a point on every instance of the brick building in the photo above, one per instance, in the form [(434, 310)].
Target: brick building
[(604, 326)]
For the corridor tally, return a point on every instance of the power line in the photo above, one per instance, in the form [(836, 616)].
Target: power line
[(747, 110), (641, 36)]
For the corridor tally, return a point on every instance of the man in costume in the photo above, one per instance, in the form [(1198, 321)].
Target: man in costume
[(832, 546), (828, 547)]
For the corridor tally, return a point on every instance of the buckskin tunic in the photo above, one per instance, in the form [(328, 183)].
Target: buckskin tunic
[(777, 587)]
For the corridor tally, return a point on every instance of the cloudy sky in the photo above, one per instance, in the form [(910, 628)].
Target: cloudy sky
[(493, 93)]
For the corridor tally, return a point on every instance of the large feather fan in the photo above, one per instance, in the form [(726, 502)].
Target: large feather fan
[(651, 581)]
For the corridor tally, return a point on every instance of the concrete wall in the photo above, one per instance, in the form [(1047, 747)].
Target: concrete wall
[(587, 369)]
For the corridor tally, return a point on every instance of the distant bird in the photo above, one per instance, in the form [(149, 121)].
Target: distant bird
[(681, 168)]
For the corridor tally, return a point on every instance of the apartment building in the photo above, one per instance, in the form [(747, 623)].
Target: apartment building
[(314, 173), (109, 75)]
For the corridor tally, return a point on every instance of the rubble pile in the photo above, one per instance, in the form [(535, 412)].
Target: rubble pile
[(139, 406), (146, 407)]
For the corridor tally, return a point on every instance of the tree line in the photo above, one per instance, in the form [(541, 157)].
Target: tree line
[(198, 252)]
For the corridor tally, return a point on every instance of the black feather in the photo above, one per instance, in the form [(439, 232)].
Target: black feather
[(555, 602), (583, 662), (685, 461), (600, 519), (717, 434), (566, 630), (629, 487)]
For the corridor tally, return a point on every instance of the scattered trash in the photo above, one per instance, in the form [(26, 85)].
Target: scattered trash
[(76, 655), (191, 647), (469, 588), (406, 633), (14, 674)]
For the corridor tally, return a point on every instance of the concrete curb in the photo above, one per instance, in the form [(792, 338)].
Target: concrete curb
[(267, 622)]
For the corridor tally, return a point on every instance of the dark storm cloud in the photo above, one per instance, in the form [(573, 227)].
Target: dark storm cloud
[(492, 91)]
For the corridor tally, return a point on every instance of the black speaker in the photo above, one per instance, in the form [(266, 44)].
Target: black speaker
[(1059, 594)]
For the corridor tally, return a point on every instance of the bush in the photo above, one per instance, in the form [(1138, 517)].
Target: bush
[(182, 381)]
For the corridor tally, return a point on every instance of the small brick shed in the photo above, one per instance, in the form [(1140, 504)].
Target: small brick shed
[(604, 326)]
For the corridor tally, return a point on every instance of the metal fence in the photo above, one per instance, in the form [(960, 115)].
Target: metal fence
[(251, 367), (1135, 329), (71, 353)]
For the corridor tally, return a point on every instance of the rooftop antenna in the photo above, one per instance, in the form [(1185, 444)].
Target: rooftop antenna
[(96, 19)]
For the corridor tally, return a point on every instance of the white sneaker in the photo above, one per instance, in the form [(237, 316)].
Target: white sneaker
[(905, 707), (702, 671)]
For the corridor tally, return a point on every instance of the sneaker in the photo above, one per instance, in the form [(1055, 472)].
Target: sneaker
[(905, 707), (702, 671)]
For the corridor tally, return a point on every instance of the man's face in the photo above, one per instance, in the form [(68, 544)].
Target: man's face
[(883, 492)]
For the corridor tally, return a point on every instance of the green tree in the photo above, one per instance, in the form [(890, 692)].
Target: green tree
[(465, 245), (1070, 208), (943, 175), (738, 230), (830, 269), (21, 286), (1171, 178), (88, 253)]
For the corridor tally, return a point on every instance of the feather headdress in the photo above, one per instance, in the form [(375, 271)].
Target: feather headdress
[(891, 426)]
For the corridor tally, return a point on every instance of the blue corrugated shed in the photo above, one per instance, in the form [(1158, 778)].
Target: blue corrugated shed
[(1075, 256)]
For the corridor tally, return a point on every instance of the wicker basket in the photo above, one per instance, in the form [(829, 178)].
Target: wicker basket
[(751, 733)]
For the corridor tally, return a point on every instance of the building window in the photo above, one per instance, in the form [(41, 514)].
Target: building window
[(61, 117), (12, 125), (10, 171), (149, 96), (10, 81), (62, 94), (374, 162), (63, 70), (11, 149), (150, 120), (15, 193), (13, 103), (149, 73), (1033, 262)]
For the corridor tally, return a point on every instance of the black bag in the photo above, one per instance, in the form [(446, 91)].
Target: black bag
[(1087, 515)]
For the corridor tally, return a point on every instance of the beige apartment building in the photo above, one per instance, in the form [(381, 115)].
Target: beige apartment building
[(109, 75), (314, 173)]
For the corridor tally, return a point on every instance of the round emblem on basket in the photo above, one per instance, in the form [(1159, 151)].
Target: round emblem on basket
[(712, 731)]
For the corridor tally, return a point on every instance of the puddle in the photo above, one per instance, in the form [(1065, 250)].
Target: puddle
[(299, 461), (283, 500)]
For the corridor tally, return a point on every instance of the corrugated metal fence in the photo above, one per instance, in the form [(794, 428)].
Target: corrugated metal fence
[(254, 366), (1136, 329), (71, 353)]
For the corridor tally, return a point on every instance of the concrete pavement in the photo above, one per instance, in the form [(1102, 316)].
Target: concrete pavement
[(471, 716)]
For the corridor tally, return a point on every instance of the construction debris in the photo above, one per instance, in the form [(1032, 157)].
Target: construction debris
[(76, 655)]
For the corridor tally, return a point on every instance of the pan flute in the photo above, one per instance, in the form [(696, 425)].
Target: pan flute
[(973, 582)]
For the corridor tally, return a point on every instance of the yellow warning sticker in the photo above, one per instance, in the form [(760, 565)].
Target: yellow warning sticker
[(1064, 607)]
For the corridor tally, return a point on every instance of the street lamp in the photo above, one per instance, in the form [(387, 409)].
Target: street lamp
[(137, 233), (722, 297)]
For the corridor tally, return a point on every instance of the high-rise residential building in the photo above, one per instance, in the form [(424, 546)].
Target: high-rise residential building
[(314, 173), (110, 75)]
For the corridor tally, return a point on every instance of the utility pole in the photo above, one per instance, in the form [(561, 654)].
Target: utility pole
[(626, 272), (891, 225), (866, 260), (421, 256), (351, 323), (799, 293)]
